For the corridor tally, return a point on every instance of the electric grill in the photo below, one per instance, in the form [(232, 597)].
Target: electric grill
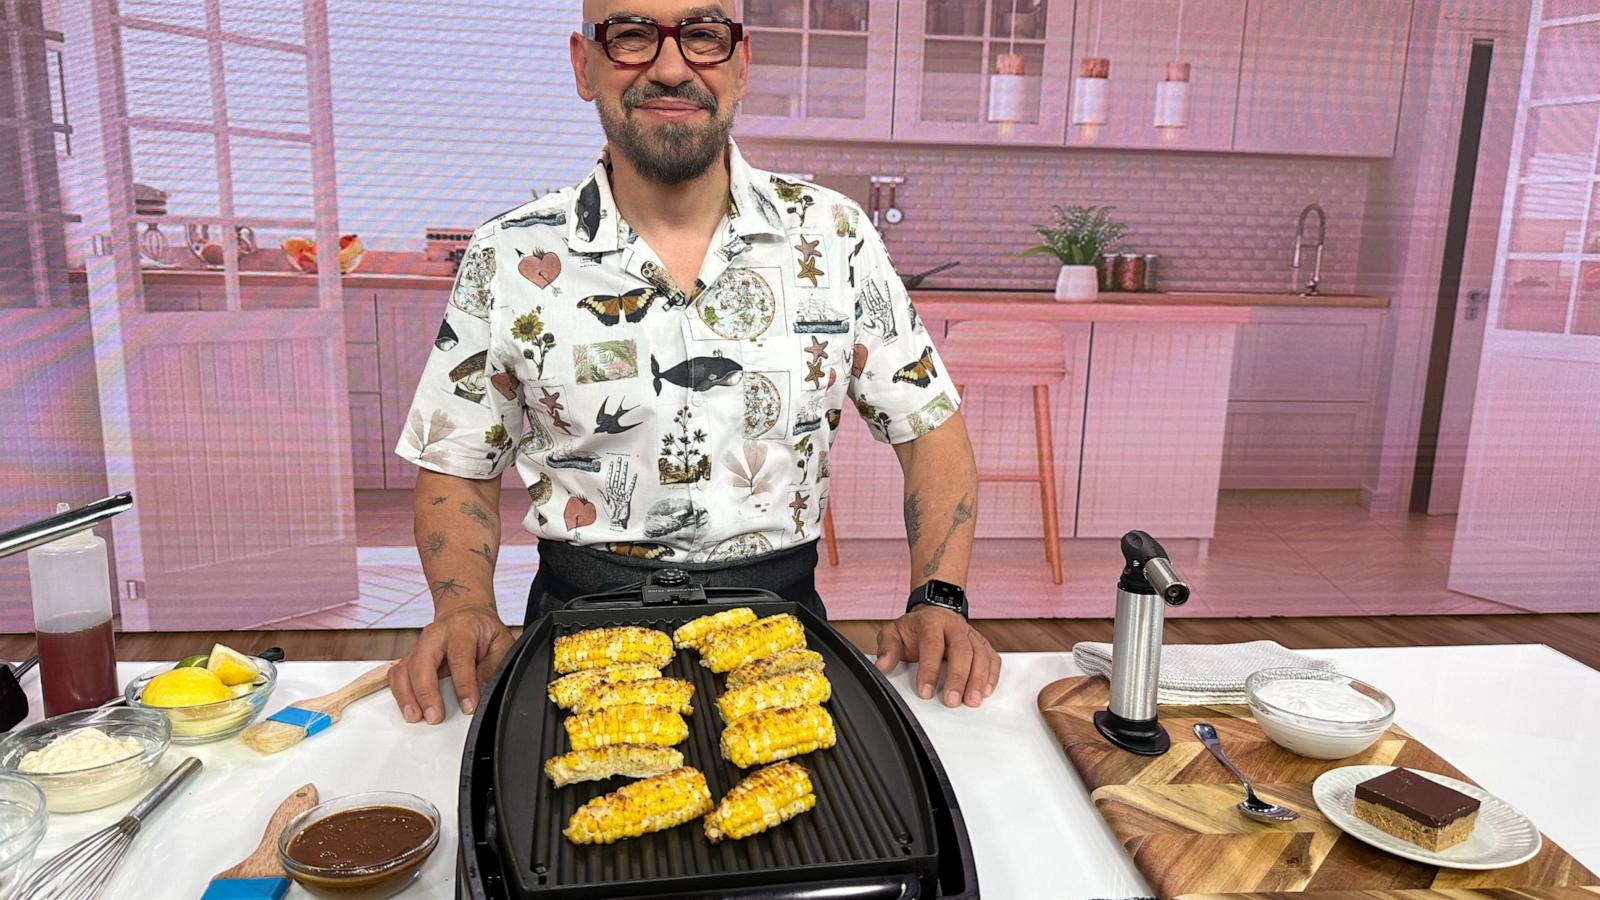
[(886, 823)]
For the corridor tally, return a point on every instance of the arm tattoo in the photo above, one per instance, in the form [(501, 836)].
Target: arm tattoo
[(437, 501), (477, 513), (963, 513), (486, 553), (913, 515), (447, 588), (433, 546)]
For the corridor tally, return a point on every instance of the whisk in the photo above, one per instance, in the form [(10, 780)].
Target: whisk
[(81, 871)]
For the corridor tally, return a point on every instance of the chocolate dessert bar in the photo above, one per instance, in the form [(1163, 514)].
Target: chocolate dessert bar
[(1415, 809)]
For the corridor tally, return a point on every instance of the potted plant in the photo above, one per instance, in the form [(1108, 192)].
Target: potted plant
[(1079, 237)]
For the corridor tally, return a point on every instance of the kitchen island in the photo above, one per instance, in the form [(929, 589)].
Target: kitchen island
[(1034, 830)]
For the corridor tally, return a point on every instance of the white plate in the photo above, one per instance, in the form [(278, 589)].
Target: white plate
[(1501, 837)]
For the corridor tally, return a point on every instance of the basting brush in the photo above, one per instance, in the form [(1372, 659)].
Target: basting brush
[(293, 724), (261, 875)]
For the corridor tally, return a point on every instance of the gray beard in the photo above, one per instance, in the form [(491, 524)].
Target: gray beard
[(672, 153)]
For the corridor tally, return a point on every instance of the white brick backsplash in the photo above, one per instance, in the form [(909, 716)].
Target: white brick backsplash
[(1220, 222)]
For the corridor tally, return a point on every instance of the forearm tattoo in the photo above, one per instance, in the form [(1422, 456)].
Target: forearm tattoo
[(432, 545), (477, 513), (962, 514)]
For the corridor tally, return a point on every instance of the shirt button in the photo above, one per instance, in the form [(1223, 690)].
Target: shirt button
[(697, 400)]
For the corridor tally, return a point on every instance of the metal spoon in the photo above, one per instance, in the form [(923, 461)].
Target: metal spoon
[(1251, 805)]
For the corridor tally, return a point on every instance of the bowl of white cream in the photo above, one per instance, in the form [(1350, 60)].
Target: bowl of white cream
[(89, 759), (1323, 715)]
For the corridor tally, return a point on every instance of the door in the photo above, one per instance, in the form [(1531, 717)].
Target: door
[(1530, 499), (1205, 34), (1477, 273), (1322, 78), (820, 69), (226, 414)]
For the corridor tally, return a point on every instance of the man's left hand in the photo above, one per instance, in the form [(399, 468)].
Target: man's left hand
[(928, 635)]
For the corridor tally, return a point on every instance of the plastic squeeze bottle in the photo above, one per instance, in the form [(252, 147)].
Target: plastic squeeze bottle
[(71, 584)]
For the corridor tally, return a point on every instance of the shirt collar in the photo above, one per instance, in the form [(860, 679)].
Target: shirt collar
[(594, 225)]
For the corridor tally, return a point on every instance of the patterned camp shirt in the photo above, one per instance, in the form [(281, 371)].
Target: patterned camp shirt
[(663, 423)]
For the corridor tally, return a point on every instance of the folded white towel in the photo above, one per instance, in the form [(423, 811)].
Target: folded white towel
[(1201, 674)]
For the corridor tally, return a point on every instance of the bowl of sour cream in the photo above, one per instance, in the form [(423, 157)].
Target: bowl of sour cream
[(1315, 713), (89, 759)]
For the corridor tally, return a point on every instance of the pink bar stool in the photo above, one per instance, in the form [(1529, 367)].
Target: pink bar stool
[(1007, 354)]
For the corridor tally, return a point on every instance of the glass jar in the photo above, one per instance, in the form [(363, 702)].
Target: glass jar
[(1130, 272)]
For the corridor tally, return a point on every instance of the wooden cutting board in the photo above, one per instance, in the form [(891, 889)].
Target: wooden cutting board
[(1175, 814)]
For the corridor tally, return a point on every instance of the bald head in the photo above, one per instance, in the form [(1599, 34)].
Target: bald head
[(661, 10)]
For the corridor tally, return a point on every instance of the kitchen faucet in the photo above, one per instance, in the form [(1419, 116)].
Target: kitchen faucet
[(1300, 244)]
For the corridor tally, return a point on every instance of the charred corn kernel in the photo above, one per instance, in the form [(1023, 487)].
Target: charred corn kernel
[(797, 660), (621, 645), (654, 804), (594, 764), (769, 797), (762, 638), (567, 690), (691, 634), (785, 691), (776, 734), (631, 723), (672, 693)]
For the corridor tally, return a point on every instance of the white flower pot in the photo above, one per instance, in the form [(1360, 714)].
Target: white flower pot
[(1078, 284)]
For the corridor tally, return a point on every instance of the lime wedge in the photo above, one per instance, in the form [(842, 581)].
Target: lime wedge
[(199, 659)]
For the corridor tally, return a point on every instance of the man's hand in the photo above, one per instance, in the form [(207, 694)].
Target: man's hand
[(927, 635), (466, 643)]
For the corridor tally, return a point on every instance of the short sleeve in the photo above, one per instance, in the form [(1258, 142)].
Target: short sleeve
[(468, 410), (898, 382)]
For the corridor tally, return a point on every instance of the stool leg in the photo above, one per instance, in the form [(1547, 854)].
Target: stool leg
[(828, 537), (1047, 479)]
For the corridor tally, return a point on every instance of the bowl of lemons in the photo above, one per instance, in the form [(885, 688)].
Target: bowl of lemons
[(208, 696)]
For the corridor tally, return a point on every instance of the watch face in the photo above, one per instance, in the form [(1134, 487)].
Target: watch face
[(945, 594)]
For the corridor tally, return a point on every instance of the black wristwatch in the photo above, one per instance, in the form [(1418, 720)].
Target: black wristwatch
[(942, 594)]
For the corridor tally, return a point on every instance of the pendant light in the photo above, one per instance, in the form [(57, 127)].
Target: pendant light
[(1091, 90), (1008, 84), (1172, 92)]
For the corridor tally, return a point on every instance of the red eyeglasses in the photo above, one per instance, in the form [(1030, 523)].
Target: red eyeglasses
[(637, 41)]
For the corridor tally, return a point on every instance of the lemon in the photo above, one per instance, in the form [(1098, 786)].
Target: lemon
[(231, 666), (190, 686)]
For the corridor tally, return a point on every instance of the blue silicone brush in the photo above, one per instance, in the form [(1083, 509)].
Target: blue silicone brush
[(261, 875)]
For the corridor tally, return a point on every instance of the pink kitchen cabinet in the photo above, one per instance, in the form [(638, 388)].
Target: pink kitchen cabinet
[(820, 69), (1322, 78), (1210, 44), (948, 49)]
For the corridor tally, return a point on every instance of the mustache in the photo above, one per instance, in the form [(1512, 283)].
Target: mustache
[(655, 90)]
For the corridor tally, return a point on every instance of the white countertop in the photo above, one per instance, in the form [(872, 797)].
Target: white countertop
[(1521, 720)]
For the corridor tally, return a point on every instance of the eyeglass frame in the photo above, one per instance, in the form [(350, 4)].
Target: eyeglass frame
[(596, 31)]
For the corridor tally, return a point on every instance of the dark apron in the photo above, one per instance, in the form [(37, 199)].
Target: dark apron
[(567, 571)]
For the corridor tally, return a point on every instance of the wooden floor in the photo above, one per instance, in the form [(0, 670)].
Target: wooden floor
[(1576, 635)]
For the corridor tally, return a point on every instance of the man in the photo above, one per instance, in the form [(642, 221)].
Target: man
[(664, 352)]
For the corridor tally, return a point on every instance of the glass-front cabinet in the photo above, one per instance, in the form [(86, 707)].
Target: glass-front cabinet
[(984, 70), (820, 69)]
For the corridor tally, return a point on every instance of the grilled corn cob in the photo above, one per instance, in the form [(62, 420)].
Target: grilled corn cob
[(632, 760), (786, 691), (762, 638), (797, 660), (631, 723), (567, 690), (622, 645), (776, 734), (769, 797), (672, 693), (690, 634), (654, 804)]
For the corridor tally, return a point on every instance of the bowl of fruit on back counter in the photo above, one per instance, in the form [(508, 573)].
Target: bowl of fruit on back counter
[(208, 696)]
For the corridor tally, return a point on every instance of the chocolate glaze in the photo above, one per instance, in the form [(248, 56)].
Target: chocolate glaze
[(1416, 797), (360, 838)]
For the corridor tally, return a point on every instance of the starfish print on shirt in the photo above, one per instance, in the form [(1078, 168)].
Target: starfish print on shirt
[(809, 271), (817, 349), (808, 249)]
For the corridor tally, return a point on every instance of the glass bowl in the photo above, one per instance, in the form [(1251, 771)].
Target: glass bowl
[(390, 873), (22, 825), (1315, 713), (79, 790), (210, 721)]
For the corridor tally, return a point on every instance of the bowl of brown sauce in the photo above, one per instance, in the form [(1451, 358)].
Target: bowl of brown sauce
[(360, 842)]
